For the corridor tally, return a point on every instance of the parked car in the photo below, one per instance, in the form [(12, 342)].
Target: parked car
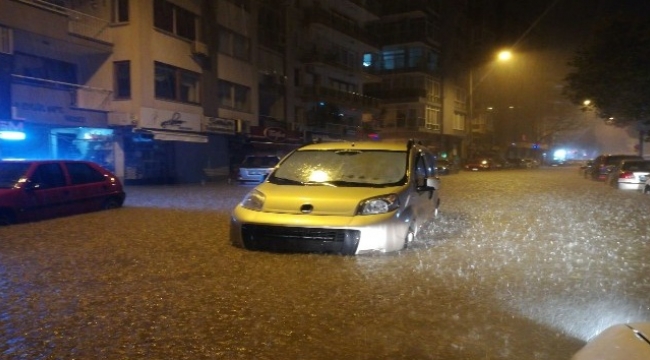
[(341, 197), (480, 164), (603, 164), (35, 190), (618, 342), (629, 175), (446, 167), (585, 168), (255, 168)]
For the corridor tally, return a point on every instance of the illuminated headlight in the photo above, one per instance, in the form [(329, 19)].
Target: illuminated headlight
[(254, 200), (379, 205)]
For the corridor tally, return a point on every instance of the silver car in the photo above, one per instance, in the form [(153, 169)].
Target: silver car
[(629, 175), (341, 197), (255, 168)]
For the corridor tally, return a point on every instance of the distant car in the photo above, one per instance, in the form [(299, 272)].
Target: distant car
[(36, 190), (529, 163), (618, 342), (255, 168), (345, 198), (603, 164), (446, 167), (629, 175), (480, 164), (585, 168)]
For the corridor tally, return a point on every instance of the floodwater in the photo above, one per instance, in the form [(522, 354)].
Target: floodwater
[(520, 264)]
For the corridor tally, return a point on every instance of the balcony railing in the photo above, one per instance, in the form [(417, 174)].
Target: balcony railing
[(328, 19), (79, 23), (333, 95), (81, 96)]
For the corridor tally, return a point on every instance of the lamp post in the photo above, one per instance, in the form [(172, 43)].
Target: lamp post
[(501, 56)]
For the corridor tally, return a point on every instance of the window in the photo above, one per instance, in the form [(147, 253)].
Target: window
[(234, 44), (81, 173), (394, 59), (44, 68), (432, 118), (122, 78), (119, 11), (174, 19), (234, 96), (343, 86), (47, 176), (459, 121), (177, 84)]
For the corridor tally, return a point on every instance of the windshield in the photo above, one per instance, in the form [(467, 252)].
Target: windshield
[(11, 173), (343, 168)]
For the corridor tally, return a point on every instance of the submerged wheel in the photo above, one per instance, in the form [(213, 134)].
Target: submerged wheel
[(111, 203), (6, 217), (409, 238)]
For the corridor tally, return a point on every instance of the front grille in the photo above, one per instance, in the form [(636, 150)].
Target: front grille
[(300, 239)]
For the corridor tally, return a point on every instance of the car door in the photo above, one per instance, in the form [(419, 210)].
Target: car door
[(88, 187), (45, 192), (425, 205)]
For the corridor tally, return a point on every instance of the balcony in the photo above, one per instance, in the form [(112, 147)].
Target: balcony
[(338, 23), (78, 23), (72, 95), (396, 95), (320, 93), (402, 7)]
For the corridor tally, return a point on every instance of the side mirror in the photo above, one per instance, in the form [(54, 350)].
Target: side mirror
[(432, 183)]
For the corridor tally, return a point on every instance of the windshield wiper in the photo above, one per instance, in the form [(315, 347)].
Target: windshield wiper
[(285, 181)]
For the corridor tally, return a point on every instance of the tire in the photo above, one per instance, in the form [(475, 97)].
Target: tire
[(408, 238), (646, 189), (111, 203), (6, 217)]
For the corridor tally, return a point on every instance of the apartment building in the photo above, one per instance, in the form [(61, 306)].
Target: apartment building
[(165, 90), (120, 83)]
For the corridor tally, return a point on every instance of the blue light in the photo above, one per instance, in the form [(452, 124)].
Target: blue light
[(12, 135)]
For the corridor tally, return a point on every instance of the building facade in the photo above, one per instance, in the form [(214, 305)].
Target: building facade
[(166, 90)]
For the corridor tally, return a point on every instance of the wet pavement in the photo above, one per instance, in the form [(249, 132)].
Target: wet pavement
[(521, 264)]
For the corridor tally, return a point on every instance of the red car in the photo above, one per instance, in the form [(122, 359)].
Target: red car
[(35, 190)]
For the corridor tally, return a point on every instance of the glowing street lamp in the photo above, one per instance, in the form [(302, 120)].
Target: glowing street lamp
[(504, 55)]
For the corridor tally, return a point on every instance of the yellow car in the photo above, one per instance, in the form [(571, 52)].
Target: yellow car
[(341, 197)]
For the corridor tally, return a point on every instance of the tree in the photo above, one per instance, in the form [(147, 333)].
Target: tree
[(613, 71)]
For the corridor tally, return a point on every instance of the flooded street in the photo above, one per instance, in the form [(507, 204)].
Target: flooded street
[(520, 264)]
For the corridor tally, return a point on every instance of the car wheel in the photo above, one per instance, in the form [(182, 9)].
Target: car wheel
[(646, 189), (409, 238), (6, 217), (111, 203)]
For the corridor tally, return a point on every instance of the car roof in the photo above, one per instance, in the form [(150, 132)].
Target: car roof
[(357, 145)]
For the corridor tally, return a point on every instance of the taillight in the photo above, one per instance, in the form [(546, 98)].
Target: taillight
[(626, 175)]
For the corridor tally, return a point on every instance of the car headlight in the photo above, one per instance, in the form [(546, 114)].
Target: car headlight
[(254, 200), (379, 205)]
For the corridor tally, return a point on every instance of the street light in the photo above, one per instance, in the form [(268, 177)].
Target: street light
[(503, 55)]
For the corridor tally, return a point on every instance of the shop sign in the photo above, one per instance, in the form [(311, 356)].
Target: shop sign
[(220, 125), (11, 125), (169, 120), (275, 134), (51, 106)]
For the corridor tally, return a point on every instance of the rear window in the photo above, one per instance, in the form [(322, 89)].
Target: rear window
[(637, 166), (260, 162), (10, 173), (613, 160)]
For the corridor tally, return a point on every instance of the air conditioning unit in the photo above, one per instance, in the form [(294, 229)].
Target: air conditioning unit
[(199, 48)]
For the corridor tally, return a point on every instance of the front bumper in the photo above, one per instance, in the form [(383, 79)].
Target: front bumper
[(300, 233)]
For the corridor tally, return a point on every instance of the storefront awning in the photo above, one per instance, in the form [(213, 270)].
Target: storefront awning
[(176, 136)]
